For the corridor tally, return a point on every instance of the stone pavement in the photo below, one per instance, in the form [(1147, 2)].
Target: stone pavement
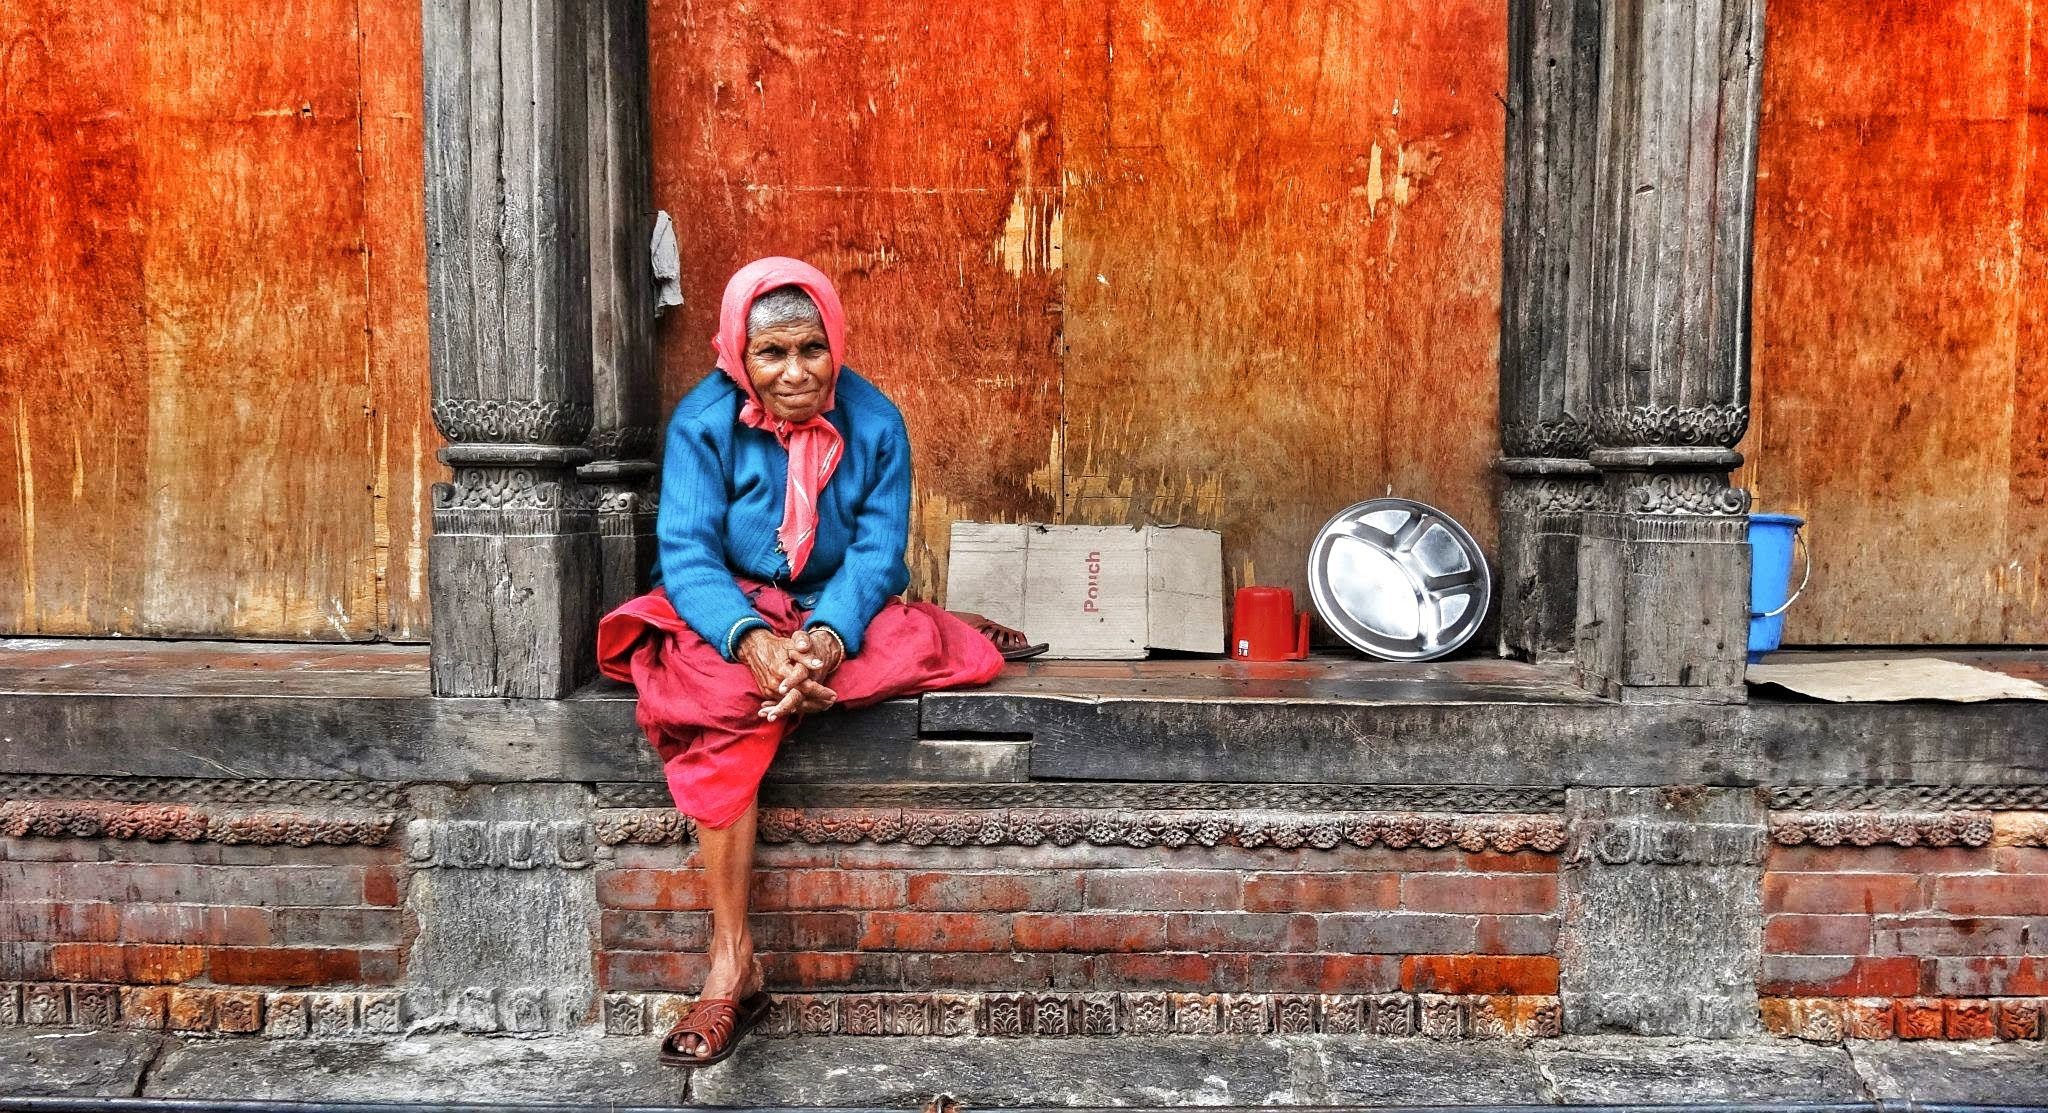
[(903, 1073)]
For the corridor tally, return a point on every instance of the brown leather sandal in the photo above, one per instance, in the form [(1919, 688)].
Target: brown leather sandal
[(1013, 644), (720, 1022)]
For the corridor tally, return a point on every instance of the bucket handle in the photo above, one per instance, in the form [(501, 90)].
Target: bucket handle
[(1800, 538)]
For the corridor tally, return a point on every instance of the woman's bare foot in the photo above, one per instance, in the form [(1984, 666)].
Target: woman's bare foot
[(735, 975)]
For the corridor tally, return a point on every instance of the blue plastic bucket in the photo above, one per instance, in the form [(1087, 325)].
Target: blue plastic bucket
[(1771, 538)]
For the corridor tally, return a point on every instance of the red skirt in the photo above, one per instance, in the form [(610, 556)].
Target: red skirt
[(701, 712)]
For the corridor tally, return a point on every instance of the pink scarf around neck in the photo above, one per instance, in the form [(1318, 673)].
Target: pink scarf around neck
[(814, 446)]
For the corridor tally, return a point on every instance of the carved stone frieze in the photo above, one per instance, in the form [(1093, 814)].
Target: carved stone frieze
[(1910, 798), (1247, 829), (1633, 426), (1100, 796), (1958, 828), (513, 421), (196, 790), (467, 844), (1684, 494), (93, 819)]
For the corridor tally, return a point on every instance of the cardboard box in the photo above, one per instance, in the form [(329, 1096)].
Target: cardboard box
[(1101, 592)]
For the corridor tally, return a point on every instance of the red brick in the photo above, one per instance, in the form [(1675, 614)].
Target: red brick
[(337, 927), (1792, 934), (1989, 976), (805, 931), (987, 969), (1090, 932), (2020, 859), (1398, 933), (2019, 1020), (1839, 976), (60, 922), (1516, 935), (1778, 1017), (654, 931), (1479, 892), (1992, 894), (382, 966), (1240, 931), (652, 890), (1869, 1018), (231, 925), (1864, 893), (996, 892), (936, 931), (144, 964), (1945, 935), (823, 890), (1163, 890), (1161, 971), (1326, 973), (1515, 974), (1876, 859), (284, 966), (1969, 1020), (1321, 892), (834, 969), (672, 971), (382, 886), (1521, 862)]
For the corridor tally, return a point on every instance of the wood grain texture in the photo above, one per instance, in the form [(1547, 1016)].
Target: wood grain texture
[(911, 152), (73, 364), (1283, 244), (394, 233), (189, 369), (1898, 281)]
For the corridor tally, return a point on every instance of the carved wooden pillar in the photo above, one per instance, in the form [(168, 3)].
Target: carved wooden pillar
[(622, 434), (1546, 431), (512, 564), (1664, 568)]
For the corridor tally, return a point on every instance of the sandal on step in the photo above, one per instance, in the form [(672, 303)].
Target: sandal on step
[(718, 1021), (1013, 645)]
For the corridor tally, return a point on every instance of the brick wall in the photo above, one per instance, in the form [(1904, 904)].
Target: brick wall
[(1349, 920), (1887, 940), (135, 913)]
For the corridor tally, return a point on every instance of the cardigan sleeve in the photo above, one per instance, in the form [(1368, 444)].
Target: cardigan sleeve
[(689, 531), (873, 568)]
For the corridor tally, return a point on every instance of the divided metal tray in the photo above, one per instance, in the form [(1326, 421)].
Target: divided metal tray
[(1399, 579)]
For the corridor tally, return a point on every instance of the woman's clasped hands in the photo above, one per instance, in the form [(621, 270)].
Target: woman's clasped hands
[(790, 672)]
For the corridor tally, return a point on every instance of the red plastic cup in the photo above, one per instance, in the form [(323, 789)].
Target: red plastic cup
[(1264, 627)]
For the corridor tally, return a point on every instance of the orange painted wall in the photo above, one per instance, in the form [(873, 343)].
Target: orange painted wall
[(1232, 265), (1901, 299), (212, 319)]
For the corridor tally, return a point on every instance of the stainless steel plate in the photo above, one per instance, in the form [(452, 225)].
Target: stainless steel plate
[(1399, 579)]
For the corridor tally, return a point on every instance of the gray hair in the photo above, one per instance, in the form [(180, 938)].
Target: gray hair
[(784, 305)]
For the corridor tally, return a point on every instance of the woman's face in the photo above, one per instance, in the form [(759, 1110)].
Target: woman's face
[(790, 366)]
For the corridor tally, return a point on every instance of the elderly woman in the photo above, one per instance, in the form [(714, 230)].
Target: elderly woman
[(785, 512)]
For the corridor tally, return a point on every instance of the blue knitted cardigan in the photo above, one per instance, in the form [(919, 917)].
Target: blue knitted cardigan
[(721, 500)]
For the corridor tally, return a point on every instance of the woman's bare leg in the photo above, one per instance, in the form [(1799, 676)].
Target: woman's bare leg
[(727, 855)]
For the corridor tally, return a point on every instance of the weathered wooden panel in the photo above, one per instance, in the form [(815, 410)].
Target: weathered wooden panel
[(1282, 236), (188, 368), (395, 240), (1892, 310), (2024, 578), (912, 152), (73, 370)]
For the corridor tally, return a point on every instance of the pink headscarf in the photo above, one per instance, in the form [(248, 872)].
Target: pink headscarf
[(814, 446)]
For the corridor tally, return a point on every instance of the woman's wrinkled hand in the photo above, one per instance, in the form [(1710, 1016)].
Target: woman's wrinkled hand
[(788, 671)]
